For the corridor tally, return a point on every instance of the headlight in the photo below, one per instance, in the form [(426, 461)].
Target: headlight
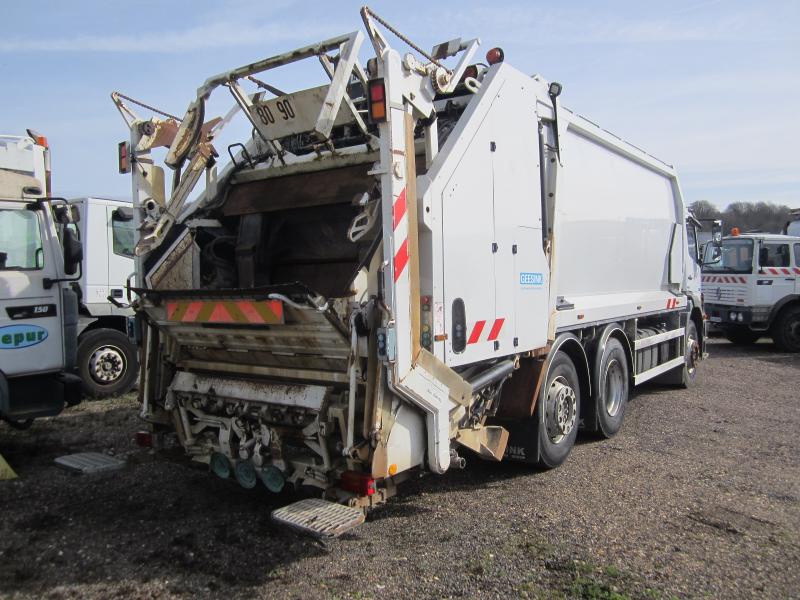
[(740, 317), (732, 316)]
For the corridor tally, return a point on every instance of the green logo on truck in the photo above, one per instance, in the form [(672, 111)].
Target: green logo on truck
[(14, 337)]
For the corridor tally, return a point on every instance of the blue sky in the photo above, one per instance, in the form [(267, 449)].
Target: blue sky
[(712, 87)]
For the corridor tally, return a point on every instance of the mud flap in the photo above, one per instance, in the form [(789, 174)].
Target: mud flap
[(6, 472), (523, 439), (319, 518)]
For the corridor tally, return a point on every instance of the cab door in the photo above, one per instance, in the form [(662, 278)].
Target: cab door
[(120, 240), (31, 336), (775, 263)]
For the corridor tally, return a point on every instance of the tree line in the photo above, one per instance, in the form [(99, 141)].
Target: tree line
[(747, 216)]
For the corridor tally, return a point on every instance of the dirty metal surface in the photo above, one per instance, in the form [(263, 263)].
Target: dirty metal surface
[(89, 462), (319, 518)]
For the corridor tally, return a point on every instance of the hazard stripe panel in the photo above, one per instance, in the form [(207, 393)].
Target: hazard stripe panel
[(476, 332), (400, 260), (498, 325), (256, 312), (399, 208)]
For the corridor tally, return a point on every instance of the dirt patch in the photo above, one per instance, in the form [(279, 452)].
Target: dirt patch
[(696, 497)]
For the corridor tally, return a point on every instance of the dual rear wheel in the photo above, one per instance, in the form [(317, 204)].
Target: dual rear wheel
[(558, 408)]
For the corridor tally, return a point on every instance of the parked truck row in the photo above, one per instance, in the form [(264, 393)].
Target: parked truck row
[(423, 257)]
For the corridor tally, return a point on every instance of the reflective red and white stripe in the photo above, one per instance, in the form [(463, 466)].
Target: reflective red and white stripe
[(673, 303), (723, 279), (781, 270), (399, 210), (477, 330)]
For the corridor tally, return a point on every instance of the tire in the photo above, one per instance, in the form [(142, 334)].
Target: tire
[(786, 331), (685, 376), (107, 363), (21, 425), (557, 412), (742, 336), (613, 387)]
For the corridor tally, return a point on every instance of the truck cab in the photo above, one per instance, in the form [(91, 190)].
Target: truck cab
[(107, 358), (39, 252), (751, 287)]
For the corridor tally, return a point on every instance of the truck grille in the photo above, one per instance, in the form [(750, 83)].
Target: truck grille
[(726, 294)]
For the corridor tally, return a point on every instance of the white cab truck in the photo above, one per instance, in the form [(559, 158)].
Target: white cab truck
[(751, 288), (422, 256), (39, 257), (107, 357)]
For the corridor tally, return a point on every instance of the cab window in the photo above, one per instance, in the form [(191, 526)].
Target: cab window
[(122, 235), (797, 255), (774, 255), (20, 240)]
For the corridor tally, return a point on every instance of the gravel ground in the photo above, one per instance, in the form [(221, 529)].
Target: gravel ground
[(697, 497)]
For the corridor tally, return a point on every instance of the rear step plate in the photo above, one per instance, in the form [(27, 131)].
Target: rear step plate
[(319, 518), (89, 462)]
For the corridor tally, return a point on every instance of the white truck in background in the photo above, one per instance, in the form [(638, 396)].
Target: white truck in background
[(418, 257), (751, 288), (39, 258), (107, 358)]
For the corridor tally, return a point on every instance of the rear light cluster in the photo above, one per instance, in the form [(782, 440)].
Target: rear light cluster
[(377, 100), (123, 157), (425, 321), (361, 484)]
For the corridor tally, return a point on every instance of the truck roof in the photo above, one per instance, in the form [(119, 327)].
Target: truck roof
[(772, 237)]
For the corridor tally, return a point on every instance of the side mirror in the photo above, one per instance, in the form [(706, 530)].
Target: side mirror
[(73, 252), (711, 253), (716, 233), (122, 214), (763, 257), (66, 214)]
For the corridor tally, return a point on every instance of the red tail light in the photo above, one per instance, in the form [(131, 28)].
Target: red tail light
[(377, 100), (495, 55), (358, 483), (123, 156)]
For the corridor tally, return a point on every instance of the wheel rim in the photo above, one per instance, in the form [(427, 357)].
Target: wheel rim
[(107, 364), (614, 388), (562, 405), (692, 353)]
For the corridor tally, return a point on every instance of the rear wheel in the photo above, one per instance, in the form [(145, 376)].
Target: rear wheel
[(742, 336), (557, 412), (612, 389), (107, 363), (786, 331)]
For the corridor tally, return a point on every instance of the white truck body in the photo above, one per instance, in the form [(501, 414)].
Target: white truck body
[(753, 290), (107, 358), (38, 308), (348, 300)]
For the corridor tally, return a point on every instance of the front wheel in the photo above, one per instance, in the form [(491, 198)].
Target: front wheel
[(107, 363), (786, 331), (557, 411)]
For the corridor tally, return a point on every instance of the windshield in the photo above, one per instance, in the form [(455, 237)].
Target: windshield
[(20, 240), (737, 257)]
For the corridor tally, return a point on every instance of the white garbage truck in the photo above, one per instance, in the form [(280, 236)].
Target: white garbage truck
[(40, 257), (421, 258)]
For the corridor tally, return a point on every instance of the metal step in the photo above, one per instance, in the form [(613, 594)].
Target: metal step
[(319, 518), (89, 462)]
